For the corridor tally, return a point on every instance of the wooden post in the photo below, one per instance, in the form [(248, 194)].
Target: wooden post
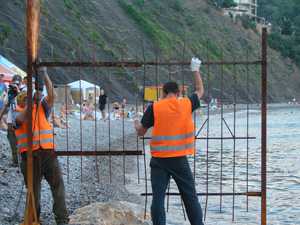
[(32, 28)]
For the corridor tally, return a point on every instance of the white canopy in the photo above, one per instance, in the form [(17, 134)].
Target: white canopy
[(84, 84), (86, 88)]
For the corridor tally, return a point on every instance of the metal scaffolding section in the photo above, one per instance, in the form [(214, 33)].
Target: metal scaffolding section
[(227, 131)]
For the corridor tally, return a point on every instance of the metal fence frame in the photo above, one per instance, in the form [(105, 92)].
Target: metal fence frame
[(33, 21)]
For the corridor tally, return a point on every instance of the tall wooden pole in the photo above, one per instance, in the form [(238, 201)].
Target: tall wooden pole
[(32, 28), (264, 128)]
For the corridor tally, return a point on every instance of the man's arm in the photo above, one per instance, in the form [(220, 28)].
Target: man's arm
[(49, 88), (195, 67), (146, 122), (140, 130), (21, 116)]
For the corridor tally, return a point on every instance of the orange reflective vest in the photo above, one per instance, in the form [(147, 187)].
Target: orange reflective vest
[(173, 131), (42, 132)]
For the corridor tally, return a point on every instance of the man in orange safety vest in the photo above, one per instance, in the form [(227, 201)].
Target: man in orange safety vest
[(172, 140), (45, 163)]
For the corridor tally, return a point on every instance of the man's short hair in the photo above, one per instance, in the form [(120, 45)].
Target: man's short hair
[(171, 87)]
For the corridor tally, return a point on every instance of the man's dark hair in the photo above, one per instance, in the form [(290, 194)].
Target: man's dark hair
[(171, 87)]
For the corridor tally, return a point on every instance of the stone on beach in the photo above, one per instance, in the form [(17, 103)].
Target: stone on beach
[(110, 213)]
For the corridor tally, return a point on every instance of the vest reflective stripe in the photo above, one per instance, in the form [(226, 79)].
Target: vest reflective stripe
[(172, 137), (34, 143), (172, 148), (36, 133), (173, 131)]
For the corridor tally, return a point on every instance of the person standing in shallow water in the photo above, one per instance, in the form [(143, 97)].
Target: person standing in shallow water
[(102, 103), (172, 140)]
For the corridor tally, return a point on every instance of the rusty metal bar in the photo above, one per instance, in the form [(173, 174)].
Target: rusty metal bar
[(123, 141), (182, 66), (144, 150), (202, 126), (183, 94), (95, 122), (99, 153), (264, 68), (234, 140), (215, 138), (137, 64), (247, 143), (250, 194), (195, 146), (67, 132), (156, 75), (53, 131), (135, 116), (137, 142), (227, 126), (168, 195), (169, 73), (109, 139), (222, 130), (123, 127), (32, 38), (80, 108), (225, 138), (207, 130)]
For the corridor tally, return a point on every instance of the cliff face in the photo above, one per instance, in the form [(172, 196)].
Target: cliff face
[(121, 29)]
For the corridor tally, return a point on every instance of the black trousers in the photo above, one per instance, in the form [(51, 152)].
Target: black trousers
[(45, 164), (162, 169)]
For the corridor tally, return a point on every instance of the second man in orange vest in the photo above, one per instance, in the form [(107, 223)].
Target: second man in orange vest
[(172, 140)]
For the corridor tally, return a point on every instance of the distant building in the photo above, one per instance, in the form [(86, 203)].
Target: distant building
[(244, 7), (248, 8)]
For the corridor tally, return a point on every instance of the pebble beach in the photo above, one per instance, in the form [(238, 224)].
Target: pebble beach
[(87, 179)]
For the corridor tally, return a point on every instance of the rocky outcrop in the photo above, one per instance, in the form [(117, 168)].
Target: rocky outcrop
[(110, 213)]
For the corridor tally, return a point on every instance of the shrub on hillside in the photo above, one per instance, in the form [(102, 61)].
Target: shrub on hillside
[(247, 22), (5, 30), (225, 3)]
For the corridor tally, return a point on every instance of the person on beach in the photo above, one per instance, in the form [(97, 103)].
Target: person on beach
[(87, 111), (45, 162), (172, 140), (116, 111), (102, 103), (3, 95), (13, 106)]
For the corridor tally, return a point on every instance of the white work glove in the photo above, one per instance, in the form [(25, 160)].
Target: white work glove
[(195, 64)]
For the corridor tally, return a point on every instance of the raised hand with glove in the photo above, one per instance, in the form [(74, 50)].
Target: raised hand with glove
[(195, 67), (195, 64)]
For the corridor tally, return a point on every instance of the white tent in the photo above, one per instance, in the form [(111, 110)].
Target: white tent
[(86, 88), (84, 84)]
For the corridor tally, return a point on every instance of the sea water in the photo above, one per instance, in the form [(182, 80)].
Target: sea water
[(283, 177)]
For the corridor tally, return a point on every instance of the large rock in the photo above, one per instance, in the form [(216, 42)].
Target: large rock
[(110, 213)]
